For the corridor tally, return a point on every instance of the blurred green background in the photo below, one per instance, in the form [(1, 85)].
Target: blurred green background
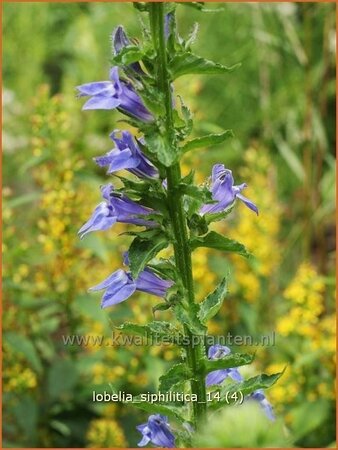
[(281, 106)]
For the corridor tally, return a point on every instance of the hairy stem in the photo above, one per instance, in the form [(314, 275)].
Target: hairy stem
[(178, 219)]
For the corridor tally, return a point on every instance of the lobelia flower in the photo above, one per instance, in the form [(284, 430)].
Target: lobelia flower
[(218, 376), (224, 191), (120, 285), (157, 431), (259, 396), (116, 207), (126, 155), (113, 94), (121, 40)]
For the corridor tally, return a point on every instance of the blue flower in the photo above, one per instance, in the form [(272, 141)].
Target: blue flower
[(126, 155), (120, 285), (224, 192), (157, 431), (113, 94), (259, 396), (116, 207), (218, 376)]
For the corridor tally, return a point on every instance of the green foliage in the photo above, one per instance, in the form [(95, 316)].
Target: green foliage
[(188, 63), (219, 242), (188, 315), (287, 87), (243, 426), (228, 361), (143, 250), (213, 302), (153, 330), (206, 141), (175, 375)]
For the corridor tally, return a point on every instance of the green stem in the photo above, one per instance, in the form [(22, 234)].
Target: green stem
[(178, 219)]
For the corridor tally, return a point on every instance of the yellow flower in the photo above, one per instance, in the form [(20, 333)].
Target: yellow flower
[(105, 433)]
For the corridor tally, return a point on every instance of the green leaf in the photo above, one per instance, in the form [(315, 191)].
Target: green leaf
[(213, 302), (22, 344), (154, 330), (219, 242), (159, 408), (262, 381), (62, 378), (143, 250), (188, 63), (228, 362), (160, 147), (160, 307), (128, 55), (189, 317), (176, 374), (206, 141), (246, 387), (200, 193)]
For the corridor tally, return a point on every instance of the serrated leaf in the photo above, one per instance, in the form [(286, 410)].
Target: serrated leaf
[(213, 302), (206, 141), (154, 330), (219, 242), (188, 63), (262, 381), (159, 146), (189, 317), (143, 250), (228, 362), (176, 374), (159, 408), (247, 387)]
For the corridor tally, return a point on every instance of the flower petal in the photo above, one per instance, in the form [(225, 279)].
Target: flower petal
[(216, 377), (99, 221), (117, 293), (235, 375), (152, 284), (248, 203), (218, 351), (96, 88), (102, 102), (119, 276)]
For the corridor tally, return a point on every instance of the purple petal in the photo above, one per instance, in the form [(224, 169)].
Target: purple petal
[(126, 207), (106, 190), (117, 293), (235, 375), (218, 351), (117, 160), (102, 102), (222, 190), (96, 88), (160, 431), (248, 203), (114, 77), (119, 276), (152, 284), (99, 221), (132, 104), (120, 39), (216, 377)]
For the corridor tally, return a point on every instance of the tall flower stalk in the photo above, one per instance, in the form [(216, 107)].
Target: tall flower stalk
[(172, 211)]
